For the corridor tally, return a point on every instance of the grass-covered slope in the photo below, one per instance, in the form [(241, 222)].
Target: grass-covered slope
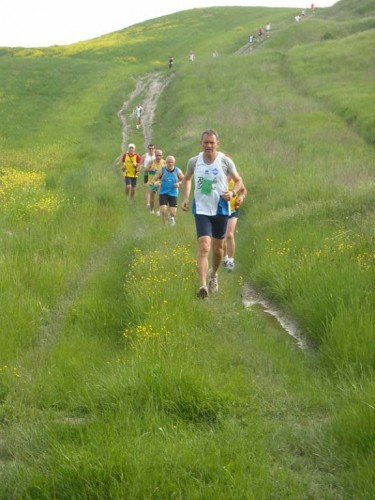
[(115, 381), (350, 10)]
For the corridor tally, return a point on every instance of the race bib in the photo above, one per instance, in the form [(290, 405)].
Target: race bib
[(206, 187)]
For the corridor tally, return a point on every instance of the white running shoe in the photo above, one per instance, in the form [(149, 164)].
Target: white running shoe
[(213, 283), (172, 221), (157, 213), (230, 265)]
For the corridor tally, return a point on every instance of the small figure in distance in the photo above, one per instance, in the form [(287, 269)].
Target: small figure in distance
[(210, 170), (191, 56), (268, 29), (168, 179), (215, 53), (170, 62), (138, 112)]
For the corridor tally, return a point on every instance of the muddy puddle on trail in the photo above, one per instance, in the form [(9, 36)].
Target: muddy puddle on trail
[(252, 298)]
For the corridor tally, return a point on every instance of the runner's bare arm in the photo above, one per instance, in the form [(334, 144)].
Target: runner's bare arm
[(186, 188)]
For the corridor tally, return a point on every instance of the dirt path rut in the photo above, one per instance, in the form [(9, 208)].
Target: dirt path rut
[(147, 91)]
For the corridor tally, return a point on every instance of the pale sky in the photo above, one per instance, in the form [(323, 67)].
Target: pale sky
[(41, 23)]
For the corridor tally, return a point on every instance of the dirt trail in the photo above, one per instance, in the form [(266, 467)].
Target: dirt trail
[(147, 91)]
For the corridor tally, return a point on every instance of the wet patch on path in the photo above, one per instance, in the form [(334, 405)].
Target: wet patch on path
[(251, 297)]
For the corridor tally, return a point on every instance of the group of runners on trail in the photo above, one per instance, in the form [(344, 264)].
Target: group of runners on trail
[(267, 30), (218, 194), (161, 177)]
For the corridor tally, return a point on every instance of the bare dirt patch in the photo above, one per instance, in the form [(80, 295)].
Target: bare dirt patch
[(147, 91)]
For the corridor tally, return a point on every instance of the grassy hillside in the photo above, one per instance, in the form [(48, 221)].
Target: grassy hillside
[(115, 381)]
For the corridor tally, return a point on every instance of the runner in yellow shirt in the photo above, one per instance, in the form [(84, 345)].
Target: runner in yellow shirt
[(151, 168), (130, 164), (229, 241)]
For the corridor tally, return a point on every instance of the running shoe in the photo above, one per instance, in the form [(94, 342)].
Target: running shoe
[(230, 265), (213, 283), (203, 292), (172, 221), (225, 263)]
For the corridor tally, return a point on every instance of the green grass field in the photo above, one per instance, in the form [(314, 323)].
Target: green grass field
[(115, 380)]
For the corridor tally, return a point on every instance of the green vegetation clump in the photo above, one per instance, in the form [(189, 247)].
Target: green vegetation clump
[(115, 380)]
